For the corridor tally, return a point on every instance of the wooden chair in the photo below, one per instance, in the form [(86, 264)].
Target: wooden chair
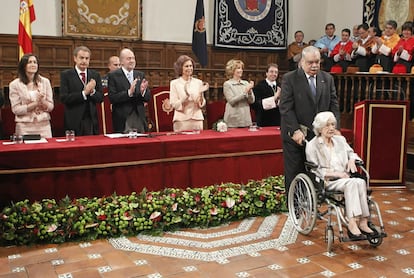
[(104, 110), (160, 111), (215, 112), (8, 123)]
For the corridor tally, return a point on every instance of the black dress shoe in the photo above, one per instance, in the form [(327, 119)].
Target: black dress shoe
[(355, 237), (373, 234)]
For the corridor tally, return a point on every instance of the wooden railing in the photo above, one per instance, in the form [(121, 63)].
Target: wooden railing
[(353, 88)]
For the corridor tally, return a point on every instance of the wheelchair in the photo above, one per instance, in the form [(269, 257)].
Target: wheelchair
[(308, 201)]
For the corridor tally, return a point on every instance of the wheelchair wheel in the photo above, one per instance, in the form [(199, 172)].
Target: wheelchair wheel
[(375, 224), (377, 240), (329, 238), (302, 202)]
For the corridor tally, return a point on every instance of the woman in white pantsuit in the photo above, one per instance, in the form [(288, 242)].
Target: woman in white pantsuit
[(336, 161)]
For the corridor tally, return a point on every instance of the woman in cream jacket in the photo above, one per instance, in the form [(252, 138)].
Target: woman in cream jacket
[(31, 99), (187, 96)]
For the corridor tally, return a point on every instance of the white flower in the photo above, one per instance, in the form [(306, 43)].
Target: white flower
[(221, 127), (230, 202)]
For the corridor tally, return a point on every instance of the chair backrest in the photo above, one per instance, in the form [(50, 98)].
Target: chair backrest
[(8, 123), (215, 112), (160, 111), (104, 110), (57, 122)]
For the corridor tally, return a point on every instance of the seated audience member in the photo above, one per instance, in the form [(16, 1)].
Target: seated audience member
[(326, 44), (113, 64), (187, 96), (31, 99), (404, 50), (355, 35), (239, 95), (373, 31), (362, 49), (295, 50), (128, 93), (341, 54), (80, 91), (336, 162), (385, 44), (267, 95), (311, 42)]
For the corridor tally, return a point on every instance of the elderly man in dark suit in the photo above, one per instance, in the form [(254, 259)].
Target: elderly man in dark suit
[(305, 92), (80, 91), (128, 93)]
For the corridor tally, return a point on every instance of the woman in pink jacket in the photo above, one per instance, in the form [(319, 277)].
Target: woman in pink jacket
[(187, 96), (31, 99)]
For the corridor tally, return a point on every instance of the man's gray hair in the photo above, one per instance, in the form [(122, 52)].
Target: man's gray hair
[(310, 49), (321, 120)]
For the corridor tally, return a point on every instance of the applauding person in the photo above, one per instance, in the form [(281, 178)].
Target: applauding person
[(31, 99), (80, 91), (239, 95), (187, 96)]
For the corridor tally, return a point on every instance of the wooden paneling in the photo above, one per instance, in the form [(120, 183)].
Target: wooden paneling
[(156, 59)]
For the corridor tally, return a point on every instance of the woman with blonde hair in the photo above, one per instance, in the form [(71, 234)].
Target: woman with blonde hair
[(239, 95)]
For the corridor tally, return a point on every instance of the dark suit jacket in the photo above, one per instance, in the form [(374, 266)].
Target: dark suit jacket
[(264, 117), (122, 103), (299, 107), (71, 96)]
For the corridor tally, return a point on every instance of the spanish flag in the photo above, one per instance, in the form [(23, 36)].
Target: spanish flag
[(27, 16)]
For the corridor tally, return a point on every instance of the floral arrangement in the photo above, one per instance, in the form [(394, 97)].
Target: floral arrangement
[(220, 126), (49, 221)]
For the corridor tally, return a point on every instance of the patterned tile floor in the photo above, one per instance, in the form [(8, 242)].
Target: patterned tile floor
[(260, 247)]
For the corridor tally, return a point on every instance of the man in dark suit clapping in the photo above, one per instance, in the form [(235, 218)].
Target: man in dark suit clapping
[(80, 91), (128, 93), (305, 92)]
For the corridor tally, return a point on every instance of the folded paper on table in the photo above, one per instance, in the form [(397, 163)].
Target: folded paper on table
[(41, 140), (121, 135)]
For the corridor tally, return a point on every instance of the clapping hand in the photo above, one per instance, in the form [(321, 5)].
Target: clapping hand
[(249, 87), (144, 85), (132, 87), (277, 94), (204, 87), (400, 50), (90, 87)]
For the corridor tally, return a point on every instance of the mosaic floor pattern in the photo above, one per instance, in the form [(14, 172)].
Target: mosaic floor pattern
[(218, 243)]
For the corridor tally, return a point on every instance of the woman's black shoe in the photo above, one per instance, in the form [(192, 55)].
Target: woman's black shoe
[(368, 234), (355, 237)]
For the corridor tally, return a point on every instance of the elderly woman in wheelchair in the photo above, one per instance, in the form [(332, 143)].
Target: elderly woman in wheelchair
[(336, 161), (332, 170)]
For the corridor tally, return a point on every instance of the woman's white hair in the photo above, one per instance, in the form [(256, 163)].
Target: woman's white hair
[(321, 120)]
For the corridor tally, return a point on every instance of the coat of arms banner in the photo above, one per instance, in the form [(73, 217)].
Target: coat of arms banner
[(120, 19), (377, 12), (250, 24)]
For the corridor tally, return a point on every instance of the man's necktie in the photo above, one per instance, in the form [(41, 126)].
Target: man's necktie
[(130, 76), (312, 85), (83, 77)]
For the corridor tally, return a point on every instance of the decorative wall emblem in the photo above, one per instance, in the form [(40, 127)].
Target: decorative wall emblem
[(102, 18), (254, 24)]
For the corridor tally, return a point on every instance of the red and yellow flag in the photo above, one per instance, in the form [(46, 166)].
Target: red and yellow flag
[(27, 16)]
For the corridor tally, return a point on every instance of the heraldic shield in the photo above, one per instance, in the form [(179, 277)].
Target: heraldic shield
[(160, 110)]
